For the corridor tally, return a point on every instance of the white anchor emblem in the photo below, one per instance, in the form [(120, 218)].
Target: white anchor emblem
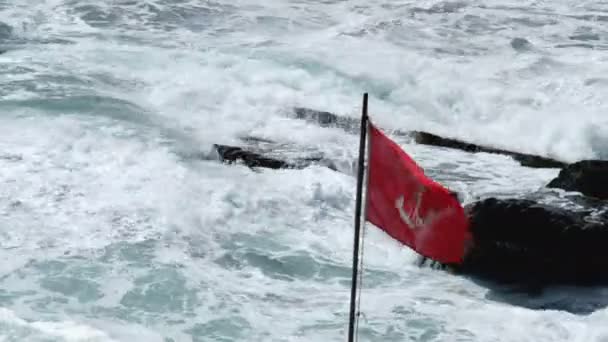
[(413, 219)]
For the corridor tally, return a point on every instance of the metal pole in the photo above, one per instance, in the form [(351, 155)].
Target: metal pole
[(351, 323)]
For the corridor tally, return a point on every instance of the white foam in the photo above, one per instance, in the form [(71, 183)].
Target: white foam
[(80, 182), (66, 330)]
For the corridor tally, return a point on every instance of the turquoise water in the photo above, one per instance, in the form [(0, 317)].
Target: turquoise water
[(116, 225)]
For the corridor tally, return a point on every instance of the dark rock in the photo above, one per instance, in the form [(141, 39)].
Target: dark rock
[(520, 44), (579, 45), (255, 159), (523, 241), (352, 125), (589, 177), (256, 140), (327, 119), (231, 154), (5, 31), (585, 36), (441, 8), (529, 160)]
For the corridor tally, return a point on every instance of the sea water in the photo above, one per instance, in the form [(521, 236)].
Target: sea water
[(117, 225)]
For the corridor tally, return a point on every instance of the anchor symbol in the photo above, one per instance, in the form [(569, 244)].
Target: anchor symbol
[(413, 219)]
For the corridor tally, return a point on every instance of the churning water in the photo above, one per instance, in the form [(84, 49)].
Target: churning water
[(115, 226)]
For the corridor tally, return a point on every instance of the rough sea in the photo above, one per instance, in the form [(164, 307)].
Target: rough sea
[(116, 224)]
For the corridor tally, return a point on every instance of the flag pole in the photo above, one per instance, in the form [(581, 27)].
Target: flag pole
[(360, 172)]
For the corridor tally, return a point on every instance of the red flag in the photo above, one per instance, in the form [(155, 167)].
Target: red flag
[(409, 206)]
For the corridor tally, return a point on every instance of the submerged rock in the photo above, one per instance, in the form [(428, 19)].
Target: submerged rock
[(520, 44), (589, 177), (256, 159), (351, 125), (524, 159), (5, 30), (231, 154), (327, 119)]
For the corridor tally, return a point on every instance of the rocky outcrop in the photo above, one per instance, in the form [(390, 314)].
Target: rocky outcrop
[(524, 159), (327, 119), (523, 241), (232, 154), (351, 125), (514, 240), (589, 177), (519, 241), (257, 159), (5, 30)]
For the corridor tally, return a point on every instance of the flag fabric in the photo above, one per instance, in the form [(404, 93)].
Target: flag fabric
[(409, 206)]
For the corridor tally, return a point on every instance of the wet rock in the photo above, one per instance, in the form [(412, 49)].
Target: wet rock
[(589, 177), (581, 45), (5, 31), (327, 119), (257, 159), (232, 154), (585, 36), (445, 7), (520, 44), (524, 159), (352, 125), (523, 241)]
